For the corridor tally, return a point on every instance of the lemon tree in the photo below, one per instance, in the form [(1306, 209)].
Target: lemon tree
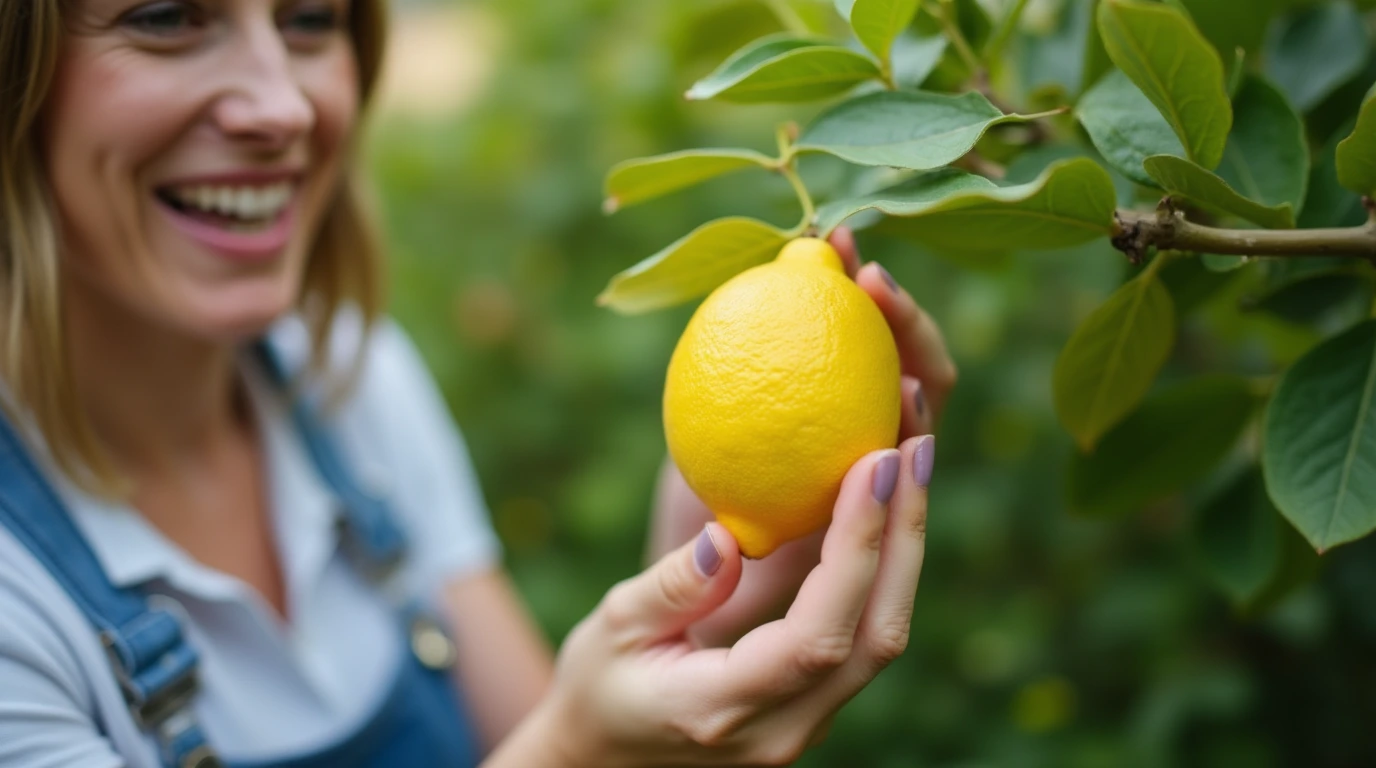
[(1226, 149)]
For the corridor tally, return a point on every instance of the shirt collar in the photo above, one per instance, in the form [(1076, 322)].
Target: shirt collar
[(304, 518)]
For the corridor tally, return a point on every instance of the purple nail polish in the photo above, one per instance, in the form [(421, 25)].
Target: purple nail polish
[(888, 278), (920, 400), (705, 554), (885, 477), (922, 460)]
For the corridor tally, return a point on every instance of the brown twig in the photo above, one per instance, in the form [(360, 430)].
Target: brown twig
[(1168, 229)]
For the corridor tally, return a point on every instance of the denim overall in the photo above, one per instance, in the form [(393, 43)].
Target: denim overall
[(421, 722)]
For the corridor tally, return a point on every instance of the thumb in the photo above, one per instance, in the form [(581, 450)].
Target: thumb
[(685, 585)]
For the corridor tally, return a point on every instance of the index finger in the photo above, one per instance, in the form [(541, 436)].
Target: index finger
[(884, 628), (784, 657)]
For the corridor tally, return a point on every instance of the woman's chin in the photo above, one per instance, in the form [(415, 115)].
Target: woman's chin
[(234, 320)]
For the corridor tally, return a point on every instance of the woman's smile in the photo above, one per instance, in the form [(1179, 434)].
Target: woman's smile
[(242, 216), (194, 150)]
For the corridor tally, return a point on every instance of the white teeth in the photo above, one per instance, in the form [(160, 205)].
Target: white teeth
[(247, 203)]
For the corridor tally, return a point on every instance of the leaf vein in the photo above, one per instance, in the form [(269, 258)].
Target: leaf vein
[(1363, 407), (1119, 343), (1174, 117)]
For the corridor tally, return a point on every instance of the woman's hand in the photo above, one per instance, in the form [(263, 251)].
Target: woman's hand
[(632, 690), (928, 374)]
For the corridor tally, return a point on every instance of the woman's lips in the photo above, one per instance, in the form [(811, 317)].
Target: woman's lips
[(256, 245)]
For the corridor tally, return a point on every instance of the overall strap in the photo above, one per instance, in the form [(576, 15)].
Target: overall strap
[(151, 659), (371, 536)]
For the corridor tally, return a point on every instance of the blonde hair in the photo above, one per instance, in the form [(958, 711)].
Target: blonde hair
[(343, 269)]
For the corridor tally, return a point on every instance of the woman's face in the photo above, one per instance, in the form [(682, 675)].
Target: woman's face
[(193, 147)]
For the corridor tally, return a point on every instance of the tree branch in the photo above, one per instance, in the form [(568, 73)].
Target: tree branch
[(788, 17), (1168, 229), (951, 25)]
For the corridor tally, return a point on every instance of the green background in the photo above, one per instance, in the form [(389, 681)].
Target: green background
[(1039, 638)]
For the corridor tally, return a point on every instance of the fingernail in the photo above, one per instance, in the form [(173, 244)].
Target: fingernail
[(922, 460), (885, 477), (888, 278), (705, 554), (920, 400)]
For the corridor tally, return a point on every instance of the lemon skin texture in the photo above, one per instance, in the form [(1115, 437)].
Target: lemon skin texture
[(785, 376)]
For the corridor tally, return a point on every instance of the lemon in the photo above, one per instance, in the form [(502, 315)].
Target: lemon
[(785, 376)]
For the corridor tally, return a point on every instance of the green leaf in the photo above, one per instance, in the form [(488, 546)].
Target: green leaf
[(785, 68), (918, 130), (1112, 358), (1162, 52), (1030, 163), (1191, 284), (904, 199), (694, 265), (1330, 302), (1096, 57), (634, 181), (1070, 203), (1125, 127), (1313, 51), (1176, 438), (915, 57), (1187, 180), (1229, 26), (1054, 54), (1327, 203), (878, 22), (1238, 534), (1320, 457), (1267, 158), (1356, 155)]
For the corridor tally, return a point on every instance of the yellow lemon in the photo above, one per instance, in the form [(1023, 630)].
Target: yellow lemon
[(785, 376)]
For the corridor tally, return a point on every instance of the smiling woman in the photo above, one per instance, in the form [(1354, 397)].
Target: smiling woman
[(114, 132), (237, 525)]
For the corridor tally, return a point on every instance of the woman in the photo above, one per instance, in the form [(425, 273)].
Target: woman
[(236, 525)]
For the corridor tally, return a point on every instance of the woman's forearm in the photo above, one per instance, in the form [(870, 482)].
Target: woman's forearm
[(542, 740), (505, 662)]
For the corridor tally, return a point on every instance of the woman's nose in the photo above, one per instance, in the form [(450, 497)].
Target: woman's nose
[(265, 102)]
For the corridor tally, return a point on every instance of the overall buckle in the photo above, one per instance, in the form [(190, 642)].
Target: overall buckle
[(165, 711), (153, 709)]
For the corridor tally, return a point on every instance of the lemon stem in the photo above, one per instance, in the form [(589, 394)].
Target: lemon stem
[(787, 165), (804, 199)]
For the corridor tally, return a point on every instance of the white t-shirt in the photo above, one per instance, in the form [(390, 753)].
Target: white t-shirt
[(268, 689)]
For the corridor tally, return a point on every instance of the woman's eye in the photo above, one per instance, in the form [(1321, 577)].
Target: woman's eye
[(164, 19), (313, 20)]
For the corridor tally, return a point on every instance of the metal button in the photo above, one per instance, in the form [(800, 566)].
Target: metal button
[(201, 757), (432, 645)]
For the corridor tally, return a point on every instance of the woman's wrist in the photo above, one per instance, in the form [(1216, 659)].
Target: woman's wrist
[(546, 738)]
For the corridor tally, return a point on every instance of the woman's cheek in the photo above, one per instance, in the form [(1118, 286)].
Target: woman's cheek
[(332, 86)]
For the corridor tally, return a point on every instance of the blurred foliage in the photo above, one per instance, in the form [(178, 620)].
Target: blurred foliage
[(1040, 638)]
